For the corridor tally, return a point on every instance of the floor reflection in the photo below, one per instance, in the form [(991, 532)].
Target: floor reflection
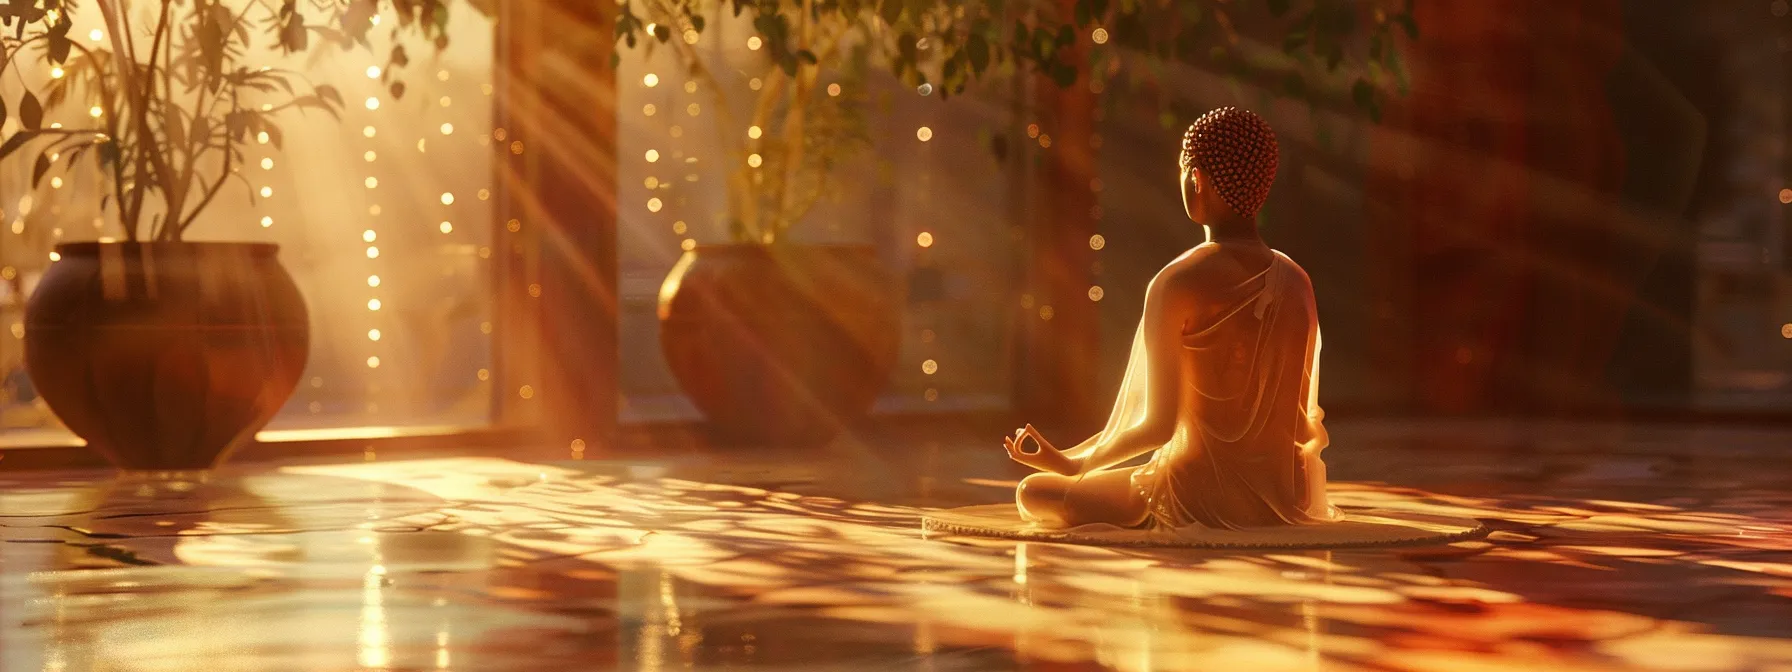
[(1639, 551)]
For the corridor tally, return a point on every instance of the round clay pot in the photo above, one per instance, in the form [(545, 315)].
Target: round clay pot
[(779, 345), (166, 356)]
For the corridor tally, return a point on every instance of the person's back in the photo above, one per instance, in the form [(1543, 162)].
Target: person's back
[(1220, 384), (1247, 433)]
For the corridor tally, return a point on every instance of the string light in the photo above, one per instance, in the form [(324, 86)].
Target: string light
[(1096, 292), (834, 90), (653, 155), (754, 132), (1097, 242), (368, 235), (373, 362), (924, 133), (367, 132), (930, 367), (369, 156), (262, 137), (373, 334), (447, 198), (267, 191), (754, 160), (371, 182), (753, 43), (373, 103), (373, 72), (651, 80), (648, 109), (373, 252), (267, 222), (1100, 36), (1786, 195), (447, 227), (447, 129), (96, 35), (373, 281), (267, 164), (924, 240), (373, 304), (653, 205), (57, 72)]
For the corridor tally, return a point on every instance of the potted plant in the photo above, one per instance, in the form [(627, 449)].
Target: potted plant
[(777, 342), (161, 352)]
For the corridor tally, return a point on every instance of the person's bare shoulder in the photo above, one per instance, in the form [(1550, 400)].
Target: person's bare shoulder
[(1203, 270)]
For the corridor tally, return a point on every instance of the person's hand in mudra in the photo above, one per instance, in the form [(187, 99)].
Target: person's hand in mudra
[(1043, 456)]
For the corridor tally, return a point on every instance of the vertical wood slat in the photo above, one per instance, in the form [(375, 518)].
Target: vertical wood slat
[(556, 276)]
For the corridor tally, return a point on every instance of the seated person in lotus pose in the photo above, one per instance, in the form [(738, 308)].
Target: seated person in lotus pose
[(1222, 385)]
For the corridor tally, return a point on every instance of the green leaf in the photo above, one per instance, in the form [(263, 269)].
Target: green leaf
[(31, 112), (890, 11), (697, 22), (976, 49), (1362, 93), (1410, 24), (37, 170), (329, 94), (1294, 85), (1063, 75), (15, 142)]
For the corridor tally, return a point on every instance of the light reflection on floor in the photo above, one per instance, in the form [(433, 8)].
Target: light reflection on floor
[(1611, 550)]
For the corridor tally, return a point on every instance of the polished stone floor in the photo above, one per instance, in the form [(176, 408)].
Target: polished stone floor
[(1654, 548)]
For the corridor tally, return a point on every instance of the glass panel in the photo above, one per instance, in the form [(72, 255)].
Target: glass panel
[(382, 218), (928, 192)]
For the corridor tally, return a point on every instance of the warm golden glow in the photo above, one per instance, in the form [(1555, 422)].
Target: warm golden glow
[(754, 160), (371, 182), (267, 191), (653, 205), (526, 392), (653, 155), (373, 304), (373, 72), (373, 362), (754, 132), (96, 35), (834, 90), (688, 244), (368, 131), (1100, 36), (651, 80), (95, 112), (369, 236), (447, 227), (447, 129), (1097, 242), (1032, 130), (373, 334), (447, 198), (373, 281), (1096, 292), (924, 133), (514, 225), (649, 109), (56, 72), (925, 239), (373, 252), (930, 367), (678, 227), (267, 164), (754, 43), (373, 103)]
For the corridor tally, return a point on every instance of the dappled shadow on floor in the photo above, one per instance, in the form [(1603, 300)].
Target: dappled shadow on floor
[(496, 564)]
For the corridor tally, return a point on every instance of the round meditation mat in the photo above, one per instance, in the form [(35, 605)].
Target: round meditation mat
[(1358, 529)]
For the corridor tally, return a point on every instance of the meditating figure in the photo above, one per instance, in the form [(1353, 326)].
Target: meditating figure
[(1221, 390)]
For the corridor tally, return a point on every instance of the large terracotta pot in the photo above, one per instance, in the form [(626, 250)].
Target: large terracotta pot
[(784, 345), (166, 356)]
